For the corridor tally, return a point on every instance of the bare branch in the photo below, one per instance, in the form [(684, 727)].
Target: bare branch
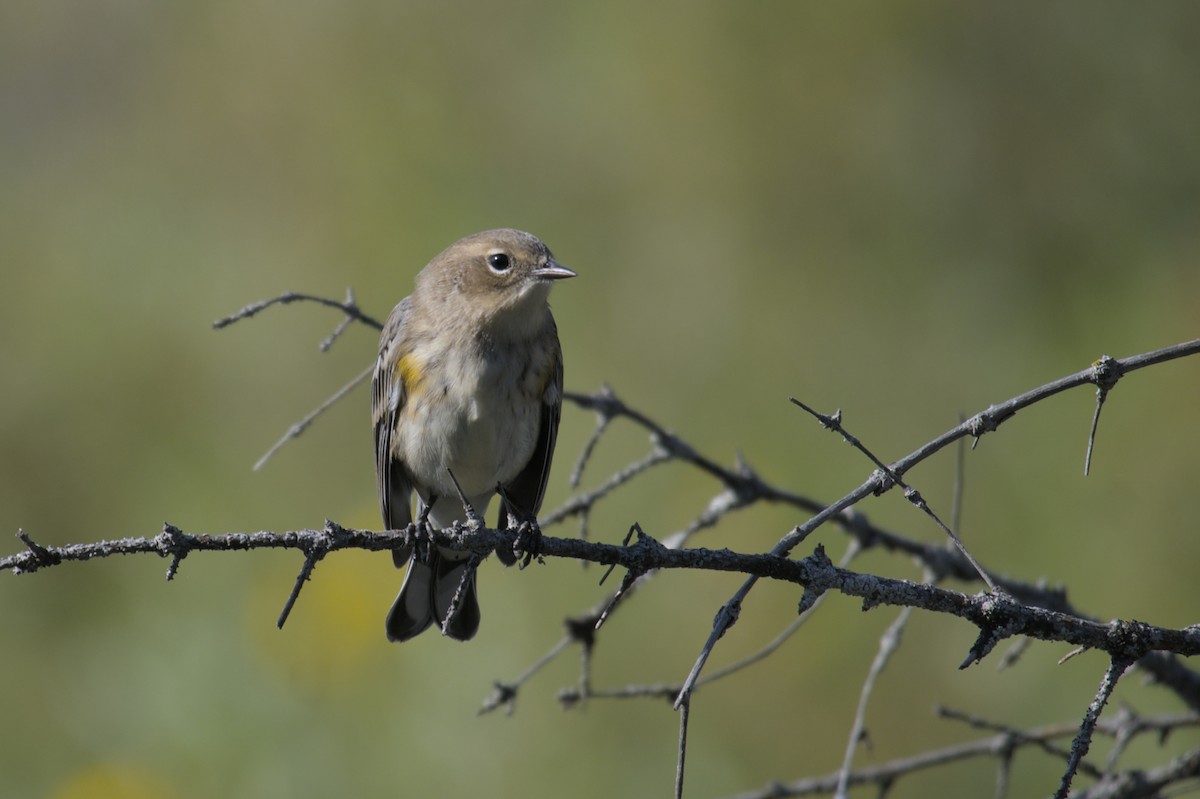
[(352, 312), (505, 694), (997, 616), (1045, 743), (984, 422), (347, 306), (1083, 741), (342, 325), (684, 712), (1126, 786)]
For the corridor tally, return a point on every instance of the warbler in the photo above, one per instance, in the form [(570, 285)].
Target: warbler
[(467, 389)]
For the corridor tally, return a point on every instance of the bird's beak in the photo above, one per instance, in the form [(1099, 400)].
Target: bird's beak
[(552, 270)]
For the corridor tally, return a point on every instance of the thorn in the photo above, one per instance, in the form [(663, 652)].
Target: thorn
[(1101, 394), (628, 537), (1106, 371), (174, 544), (829, 422), (1079, 650), (310, 563), (629, 579), (336, 532), (473, 517), (41, 555)]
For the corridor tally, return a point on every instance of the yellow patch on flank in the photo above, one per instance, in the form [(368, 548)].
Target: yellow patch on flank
[(411, 373)]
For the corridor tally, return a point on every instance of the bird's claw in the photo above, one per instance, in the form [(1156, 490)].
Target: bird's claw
[(424, 538), (527, 546)]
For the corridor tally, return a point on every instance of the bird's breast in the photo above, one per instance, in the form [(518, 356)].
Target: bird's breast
[(473, 414)]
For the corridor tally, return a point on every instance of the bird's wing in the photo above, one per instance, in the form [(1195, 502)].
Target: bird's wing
[(387, 399), (528, 488)]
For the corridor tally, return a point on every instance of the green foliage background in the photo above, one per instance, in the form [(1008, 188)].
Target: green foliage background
[(907, 211)]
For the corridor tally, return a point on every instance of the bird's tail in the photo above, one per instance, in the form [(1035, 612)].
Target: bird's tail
[(428, 592)]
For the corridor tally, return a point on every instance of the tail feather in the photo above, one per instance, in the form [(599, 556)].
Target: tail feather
[(450, 574), (426, 595), (412, 611)]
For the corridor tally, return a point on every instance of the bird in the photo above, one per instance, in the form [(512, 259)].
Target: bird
[(465, 402)]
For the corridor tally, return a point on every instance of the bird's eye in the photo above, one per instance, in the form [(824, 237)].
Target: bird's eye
[(498, 262)]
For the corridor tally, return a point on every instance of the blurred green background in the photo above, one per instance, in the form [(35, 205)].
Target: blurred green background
[(907, 211)]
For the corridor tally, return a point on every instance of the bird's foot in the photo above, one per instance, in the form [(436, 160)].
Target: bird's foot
[(527, 546)]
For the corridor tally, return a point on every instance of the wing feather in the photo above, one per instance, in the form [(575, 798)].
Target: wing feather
[(528, 488), (388, 395)]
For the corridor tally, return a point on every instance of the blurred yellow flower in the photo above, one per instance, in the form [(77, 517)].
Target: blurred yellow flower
[(114, 781)]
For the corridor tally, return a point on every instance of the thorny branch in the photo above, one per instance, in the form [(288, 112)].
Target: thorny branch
[(1012, 608), (994, 615), (984, 422)]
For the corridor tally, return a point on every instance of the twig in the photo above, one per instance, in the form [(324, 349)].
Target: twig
[(582, 503), (310, 562), (671, 690), (684, 712), (886, 774), (1017, 737), (1083, 741), (506, 692), (728, 614), (602, 421), (299, 427), (347, 306), (1137, 784), (352, 312), (888, 644), (347, 320), (834, 422), (320, 545), (851, 552)]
